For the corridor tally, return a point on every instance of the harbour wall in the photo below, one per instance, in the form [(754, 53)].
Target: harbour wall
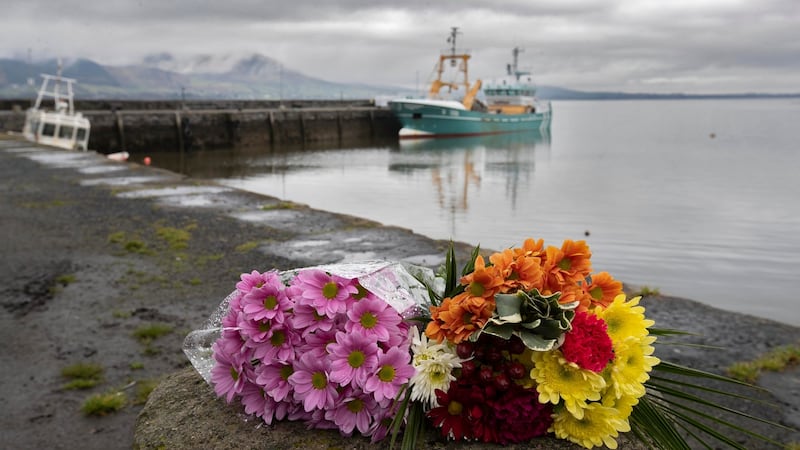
[(141, 126)]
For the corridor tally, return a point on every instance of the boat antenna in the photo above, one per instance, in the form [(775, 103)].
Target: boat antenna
[(516, 51), (452, 41)]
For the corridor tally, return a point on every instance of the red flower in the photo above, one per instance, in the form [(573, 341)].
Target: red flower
[(517, 416), (588, 344), (460, 413)]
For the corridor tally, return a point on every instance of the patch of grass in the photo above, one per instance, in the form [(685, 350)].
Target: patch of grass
[(776, 360), (793, 446), (136, 246), (136, 365), (246, 247), (104, 404), (80, 383), (82, 375), (120, 314), (82, 370), (280, 205), (44, 205), (647, 291), (65, 280), (143, 390), (176, 238), (117, 237), (195, 281), (205, 259), (149, 332)]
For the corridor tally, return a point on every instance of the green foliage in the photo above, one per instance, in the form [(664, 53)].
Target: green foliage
[(149, 332), (776, 360), (280, 205), (82, 370), (647, 291), (104, 404), (176, 238), (65, 280), (540, 321), (143, 390), (246, 247), (116, 237), (136, 365), (136, 246), (82, 375)]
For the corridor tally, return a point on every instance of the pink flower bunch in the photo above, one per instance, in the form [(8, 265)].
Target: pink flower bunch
[(322, 349)]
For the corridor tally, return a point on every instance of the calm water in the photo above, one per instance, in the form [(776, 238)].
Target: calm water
[(696, 198)]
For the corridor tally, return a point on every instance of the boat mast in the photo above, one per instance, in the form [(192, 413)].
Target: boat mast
[(453, 55)]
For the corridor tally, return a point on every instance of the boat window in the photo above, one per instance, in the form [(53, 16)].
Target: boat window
[(81, 134), (49, 129), (65, 132)]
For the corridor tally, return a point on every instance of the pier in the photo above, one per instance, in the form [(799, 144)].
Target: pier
[(139, 126)]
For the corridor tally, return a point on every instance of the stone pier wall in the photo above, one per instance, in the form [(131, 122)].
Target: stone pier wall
[(164, 126)]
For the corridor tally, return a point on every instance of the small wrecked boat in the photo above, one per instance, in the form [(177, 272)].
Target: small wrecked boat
[(509, 102), (52, 120)]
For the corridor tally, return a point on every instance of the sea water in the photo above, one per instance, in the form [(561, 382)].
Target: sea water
[(696, 198)]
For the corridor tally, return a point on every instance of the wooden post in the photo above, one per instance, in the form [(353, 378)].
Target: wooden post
[(271, 129), (179, 130), (120, 131)]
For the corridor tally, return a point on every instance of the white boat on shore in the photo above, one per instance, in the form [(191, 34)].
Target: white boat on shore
[(52, 120)]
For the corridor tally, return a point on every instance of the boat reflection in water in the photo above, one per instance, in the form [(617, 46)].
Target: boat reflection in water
[(458, 166)]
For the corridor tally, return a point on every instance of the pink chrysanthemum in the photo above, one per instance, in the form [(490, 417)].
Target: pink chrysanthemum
[(274, 378), (254, 399), (307, 319), (392, 371), (279, 347), (252, 280), (353, 411), (588, 344), (267, 302), (227, 375), (353, 357), (311, 384), (373, 318), (254, 332), (327, 293), (317, 343)]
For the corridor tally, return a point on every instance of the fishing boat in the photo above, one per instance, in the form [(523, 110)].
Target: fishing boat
[(509, 102), (52, 120)]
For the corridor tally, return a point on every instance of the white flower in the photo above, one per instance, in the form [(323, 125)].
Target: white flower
[(434, 364)]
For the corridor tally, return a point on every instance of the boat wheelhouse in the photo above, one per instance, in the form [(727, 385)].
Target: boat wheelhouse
[(52, 120)]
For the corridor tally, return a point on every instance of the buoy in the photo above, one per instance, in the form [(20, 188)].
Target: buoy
[(147, 160)]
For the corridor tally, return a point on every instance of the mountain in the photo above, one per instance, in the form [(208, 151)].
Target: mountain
[(233, 77), (165, 76)]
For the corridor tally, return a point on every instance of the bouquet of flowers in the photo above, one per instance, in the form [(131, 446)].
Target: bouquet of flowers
[(525, 344)]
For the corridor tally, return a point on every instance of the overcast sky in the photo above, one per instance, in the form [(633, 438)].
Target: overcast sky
[(691, 46)]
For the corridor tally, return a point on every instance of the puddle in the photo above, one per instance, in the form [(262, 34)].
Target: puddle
[(200, 200), (174, 191), (106, 168), (123, 181)]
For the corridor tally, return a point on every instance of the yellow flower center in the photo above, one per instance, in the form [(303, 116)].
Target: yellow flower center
[(596, 293), (263, 327), (386, 374), (476, 289), (368, 320), (319, 380), (234, 374), (278, 338), (330, 290), (355, 406), (565, 264), (270, 302), (356, 359), (454, 408), (286, 372)]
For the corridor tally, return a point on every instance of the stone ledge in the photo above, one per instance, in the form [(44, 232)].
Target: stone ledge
[(184, 413)]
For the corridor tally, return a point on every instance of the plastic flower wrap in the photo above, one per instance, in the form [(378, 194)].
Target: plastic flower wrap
[(527, 344)]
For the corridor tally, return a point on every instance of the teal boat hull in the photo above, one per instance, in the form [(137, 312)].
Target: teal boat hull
[(421, 120)]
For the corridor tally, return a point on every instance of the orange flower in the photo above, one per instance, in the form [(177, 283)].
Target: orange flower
[(568, 265), (531, 248), (459, 317), (517, 270), (483, 281), (602, 289)]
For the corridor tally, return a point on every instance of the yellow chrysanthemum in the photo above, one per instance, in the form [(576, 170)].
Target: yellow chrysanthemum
[(599, 426), (622, 404), (632, 363), (625, 318), (559, 379)]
